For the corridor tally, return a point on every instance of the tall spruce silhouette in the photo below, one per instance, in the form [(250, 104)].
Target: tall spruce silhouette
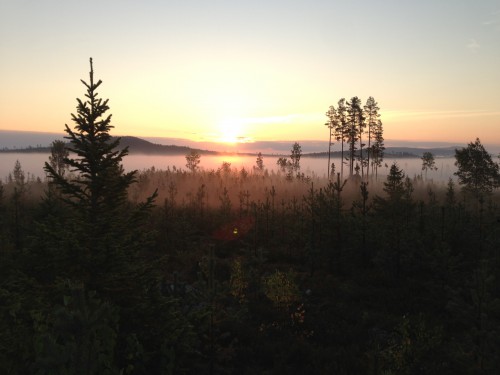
[(97, 187), (100, 183)]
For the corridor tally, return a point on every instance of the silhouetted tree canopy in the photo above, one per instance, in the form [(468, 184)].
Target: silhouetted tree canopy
[(477, 172)]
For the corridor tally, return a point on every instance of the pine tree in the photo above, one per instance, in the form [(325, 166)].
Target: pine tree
[(476, 170), (259, 163), (192, 161), (295, 156), (58, 153), (331, 124), (377, 148), (371, 114), (101, 184), (394, 212), (428, 163), (394, 186), (341, 131), (100, 241), (354, 129), (103, 227)]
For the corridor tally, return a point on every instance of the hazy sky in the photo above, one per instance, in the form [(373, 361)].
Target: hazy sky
[(264, 70)]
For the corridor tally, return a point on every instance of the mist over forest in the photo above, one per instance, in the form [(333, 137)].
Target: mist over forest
[(249, 270), (245, 271)]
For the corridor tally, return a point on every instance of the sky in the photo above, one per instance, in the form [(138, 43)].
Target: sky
[(254, 70)]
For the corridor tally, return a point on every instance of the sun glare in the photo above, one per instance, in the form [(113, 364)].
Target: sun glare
[(231, 131)]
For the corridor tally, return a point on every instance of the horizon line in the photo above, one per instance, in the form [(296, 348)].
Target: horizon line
[(232, 146)]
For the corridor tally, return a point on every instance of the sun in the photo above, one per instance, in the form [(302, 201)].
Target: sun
[(231, 131), (231, 107)]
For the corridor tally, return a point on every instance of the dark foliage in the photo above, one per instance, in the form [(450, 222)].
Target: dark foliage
[(476, 170)]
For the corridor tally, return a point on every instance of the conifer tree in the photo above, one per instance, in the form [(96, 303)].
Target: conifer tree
[(58, 153), (259, 163), (101, 183), (371, 114), (428, 162), (476, 170), (331, 125), (394, 186), (282, 163), (18, 198), (341, 131), (354, 129), (377, 148), (450, 193), (97, 190), (394, 211), (192, 160), (295, 156)]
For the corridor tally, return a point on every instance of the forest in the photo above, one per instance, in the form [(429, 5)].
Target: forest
[(189, 271)]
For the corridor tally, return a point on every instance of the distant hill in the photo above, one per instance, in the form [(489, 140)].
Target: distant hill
[(136, 146), (141, 146)]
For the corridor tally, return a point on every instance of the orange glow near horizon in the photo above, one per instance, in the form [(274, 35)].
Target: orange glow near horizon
[(170, 71), (444, 126), (235, 105)]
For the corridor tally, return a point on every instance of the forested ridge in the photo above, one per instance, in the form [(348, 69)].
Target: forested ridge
[(245, 271), (141, 146)]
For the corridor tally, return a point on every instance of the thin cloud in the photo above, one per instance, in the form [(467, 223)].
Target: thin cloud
[(473, 45), (493, 21), (285, 119)]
